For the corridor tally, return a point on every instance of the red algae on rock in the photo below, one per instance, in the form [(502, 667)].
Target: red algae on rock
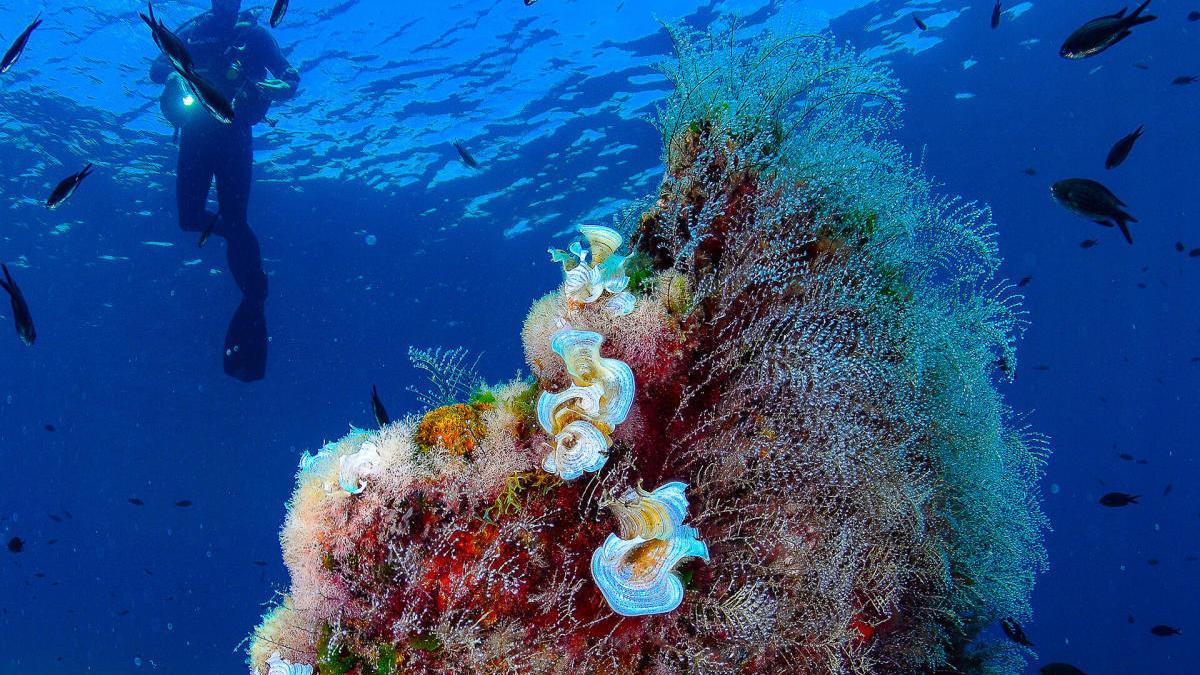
[(766, 438)]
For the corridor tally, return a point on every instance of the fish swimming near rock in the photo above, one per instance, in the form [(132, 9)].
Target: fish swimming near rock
[(1095, 202), (1103, 32), (1012, 628), (20, 309), (467, 158), (277, 13), (381, 416), (1120, 149), (18, 46), (67, 187), (996, 15), (172, 46), (1115, 499)]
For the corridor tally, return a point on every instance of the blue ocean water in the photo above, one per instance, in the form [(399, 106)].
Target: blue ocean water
[(377, 237)]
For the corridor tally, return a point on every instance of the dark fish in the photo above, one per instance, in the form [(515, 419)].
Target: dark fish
[(1094, 202), (920, 24), (48, 427), (1126, 456), (1193, 16), (1141, 66), (210, 98), (1012, 628), (51, 542), (996, 15), (20, 308), (1042, 367), (529, 3), (1029, 171), (1142, 461), (18, 46), (57, 519), (1024, 281), (1088, 243), (16, 545), (1194, 253), (1120, 149), (183, 503), (1163, 630), (1103, 32), (1118, 499), (381, 416), (281, 7), (123, 612), (260, 563), (172, 46), (466, 156), (136, 501), (1179, 246), (67, 187), (1167, 489), (1184, 79), (1057, 668)]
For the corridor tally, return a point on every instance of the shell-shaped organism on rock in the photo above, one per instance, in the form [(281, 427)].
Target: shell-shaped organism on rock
[(580, 447), (580, 351), (555, 411), (354, 469), (637, 576), (585, 282), (651, 515), (281, 666)]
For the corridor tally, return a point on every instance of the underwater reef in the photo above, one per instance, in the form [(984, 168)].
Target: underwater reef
[(762, 431)]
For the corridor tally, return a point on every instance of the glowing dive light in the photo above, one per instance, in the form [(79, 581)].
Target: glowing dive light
[(189, 99)]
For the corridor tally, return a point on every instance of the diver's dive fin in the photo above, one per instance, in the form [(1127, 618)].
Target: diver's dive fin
[(246, 342)]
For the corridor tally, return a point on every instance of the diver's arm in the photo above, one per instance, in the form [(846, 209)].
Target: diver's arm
[(283, 71)]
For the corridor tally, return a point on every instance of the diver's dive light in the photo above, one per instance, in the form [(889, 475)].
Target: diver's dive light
[(189, 99)]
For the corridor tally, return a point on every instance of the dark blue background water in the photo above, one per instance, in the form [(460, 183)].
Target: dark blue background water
[(127, 364)]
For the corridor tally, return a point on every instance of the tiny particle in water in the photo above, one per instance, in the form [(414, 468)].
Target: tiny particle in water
[(16, 545), (136, 502), (1042, 366), (1152, 562), (1131, 618), (1030, 171), (1055, 488), (183, 503), (123, 612), (1167, 490), (55, 518), (1142, 461)]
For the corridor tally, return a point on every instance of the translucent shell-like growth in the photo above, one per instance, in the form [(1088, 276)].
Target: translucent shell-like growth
[(637, 576), (580, 447), (585, 282), (580, 351), (650, 515), (281, 666), (354, 469)]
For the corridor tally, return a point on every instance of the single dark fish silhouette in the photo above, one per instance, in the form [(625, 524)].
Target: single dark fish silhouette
[(1115, 499), (67, 187), (20, 309), (1184, 80), (16, 545), (920, 24), (1012, 628), (1120, 149), (210, 98), (136, 501), (1194, 253), (1179, 247), (280, 9), (1162, 630), (1088, 243), (1193, 16), (1167, 489), (996, 15), (466, 156), (381, 416), (1093, 201), (172, 46), (1103, 32), (183, 503), (1058, 668), (1024, 281), (18, 46)]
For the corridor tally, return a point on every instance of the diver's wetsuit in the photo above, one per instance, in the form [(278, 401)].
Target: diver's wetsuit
[(233, 60)]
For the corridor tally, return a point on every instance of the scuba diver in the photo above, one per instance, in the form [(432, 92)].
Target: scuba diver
[(243, 62)]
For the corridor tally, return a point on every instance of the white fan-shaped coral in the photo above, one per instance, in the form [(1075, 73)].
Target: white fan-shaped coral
[(354, 469), (651, 515), (637, 576), (281, 666), (580, 447)]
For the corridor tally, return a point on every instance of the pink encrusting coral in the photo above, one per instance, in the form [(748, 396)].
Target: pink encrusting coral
[(765, 437)]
